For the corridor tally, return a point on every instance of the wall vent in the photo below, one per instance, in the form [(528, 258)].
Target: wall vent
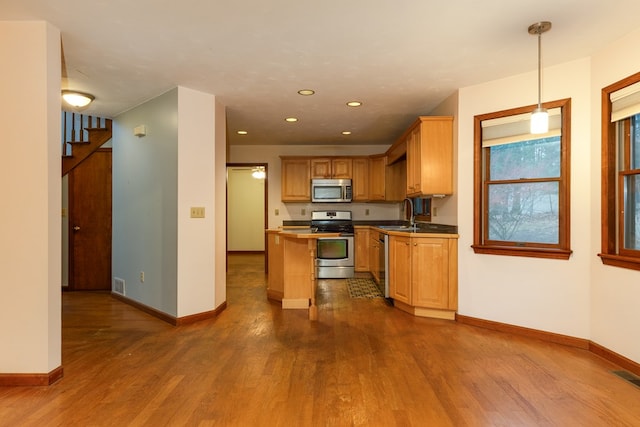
[(629, 377), (118, 286)]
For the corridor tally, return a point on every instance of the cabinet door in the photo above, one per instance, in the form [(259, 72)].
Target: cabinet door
[(342, 168), (374, 256), (360, 183), (400, 269), (377, 167), (362, 249), (320, 168), (296, 184), (413, 162), (430, 272), (436, 155)]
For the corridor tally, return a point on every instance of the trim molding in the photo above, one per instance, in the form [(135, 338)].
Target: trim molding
[(581, 343), (175, 321), (16, 380)]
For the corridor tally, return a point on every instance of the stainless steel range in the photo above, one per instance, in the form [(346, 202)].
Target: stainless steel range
[(334, 255)]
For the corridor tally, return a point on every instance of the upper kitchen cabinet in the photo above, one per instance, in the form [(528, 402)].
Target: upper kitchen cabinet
[(360, 183), (377, 174), (332, 168), (429, 144), (296, 180)]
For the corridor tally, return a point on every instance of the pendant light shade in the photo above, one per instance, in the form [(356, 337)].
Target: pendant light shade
[(259, 172), (539, 116)]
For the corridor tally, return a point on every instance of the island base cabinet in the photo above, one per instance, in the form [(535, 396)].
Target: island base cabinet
[(424, 275), (275, 267)]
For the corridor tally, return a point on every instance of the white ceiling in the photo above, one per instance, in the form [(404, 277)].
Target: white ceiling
[(400, 58)]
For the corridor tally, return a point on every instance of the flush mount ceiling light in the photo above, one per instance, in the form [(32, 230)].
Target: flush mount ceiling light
[(539, 116), (346, 132), (306, 92), (77, 99), (259, 172), (242, 132), (291, 119), (354, 103)]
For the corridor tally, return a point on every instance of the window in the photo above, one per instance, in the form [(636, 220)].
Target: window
[(621, 173), (521, 184)]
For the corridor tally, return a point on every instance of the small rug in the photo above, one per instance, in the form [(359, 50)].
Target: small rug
[(363, 288)]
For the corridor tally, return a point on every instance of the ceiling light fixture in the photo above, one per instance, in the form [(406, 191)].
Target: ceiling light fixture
[(242, 132), (291, 119), (77, 99), (259, 172), (346, 132), (539, 116), (306, 92), (354, 103)]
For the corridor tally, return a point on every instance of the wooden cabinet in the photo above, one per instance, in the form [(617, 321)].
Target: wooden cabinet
[(400, 269), (374, 256), (275, 278), (423, 276), (295, 180), (396, 181), (360, 180), (331, 168), (377, 174), (430, 156), (361, 249)]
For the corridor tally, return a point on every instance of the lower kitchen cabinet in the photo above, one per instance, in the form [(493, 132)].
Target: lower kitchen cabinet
[(374, 256), (362, 249), (424, 275)]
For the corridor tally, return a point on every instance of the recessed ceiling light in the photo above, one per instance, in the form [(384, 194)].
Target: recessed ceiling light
[(242, 132), (346, 132), (306, 92), (354, 103), (291, 119)]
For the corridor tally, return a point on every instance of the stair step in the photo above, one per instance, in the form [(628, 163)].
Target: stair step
[(78, 142), (96, 128)]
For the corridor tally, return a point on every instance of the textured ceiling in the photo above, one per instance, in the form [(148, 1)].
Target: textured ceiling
[(400, 58)]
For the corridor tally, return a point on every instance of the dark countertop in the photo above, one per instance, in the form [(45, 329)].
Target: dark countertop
[(423, 227)]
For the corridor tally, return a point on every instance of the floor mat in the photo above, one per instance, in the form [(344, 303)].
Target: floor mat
[(363, 288)]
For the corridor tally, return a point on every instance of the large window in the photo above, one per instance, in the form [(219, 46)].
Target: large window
[(621, 173), (521, 184)]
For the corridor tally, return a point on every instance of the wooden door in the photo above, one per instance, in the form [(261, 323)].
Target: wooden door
[(90, 223)]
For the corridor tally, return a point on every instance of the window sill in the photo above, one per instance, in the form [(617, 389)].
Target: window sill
[(620, 261), (563, 254)]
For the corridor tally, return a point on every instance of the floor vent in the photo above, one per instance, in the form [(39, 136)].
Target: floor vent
[(629, 377), (118, 285)]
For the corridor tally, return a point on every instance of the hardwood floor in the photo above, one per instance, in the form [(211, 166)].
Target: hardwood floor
[(363, 363)]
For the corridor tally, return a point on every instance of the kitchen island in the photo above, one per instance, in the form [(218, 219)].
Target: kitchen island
[(292, 269)]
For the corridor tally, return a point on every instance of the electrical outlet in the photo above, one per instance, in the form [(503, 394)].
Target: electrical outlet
[(142, 277), (277, 212), (434, 211), (197, 212), (366, 211), (303, 211)]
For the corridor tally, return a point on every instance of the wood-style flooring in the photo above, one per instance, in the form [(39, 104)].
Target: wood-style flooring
[(363, 363)]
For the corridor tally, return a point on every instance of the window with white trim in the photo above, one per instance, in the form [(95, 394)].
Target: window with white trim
[(522, 184)]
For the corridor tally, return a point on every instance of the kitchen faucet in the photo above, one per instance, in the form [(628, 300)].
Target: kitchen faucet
[(412, 220)]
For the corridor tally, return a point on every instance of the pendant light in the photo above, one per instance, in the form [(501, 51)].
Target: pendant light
[(539, 116), (259, 172)]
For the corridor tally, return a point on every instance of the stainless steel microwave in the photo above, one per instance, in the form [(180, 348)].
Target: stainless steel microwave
[(331, 190)]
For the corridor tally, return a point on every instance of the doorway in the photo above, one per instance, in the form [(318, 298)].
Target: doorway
[(247, 218)]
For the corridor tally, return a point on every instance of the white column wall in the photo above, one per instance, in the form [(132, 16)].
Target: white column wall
[(196, 188), (30, 246)]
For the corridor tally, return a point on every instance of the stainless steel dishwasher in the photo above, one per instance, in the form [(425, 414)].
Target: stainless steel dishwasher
[(384, 264)]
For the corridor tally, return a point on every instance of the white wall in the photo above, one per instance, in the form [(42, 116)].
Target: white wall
[(293, 211), (615, 291), (30, 246), (197, 160), (145, 201), (549, 295), (156, 180)]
